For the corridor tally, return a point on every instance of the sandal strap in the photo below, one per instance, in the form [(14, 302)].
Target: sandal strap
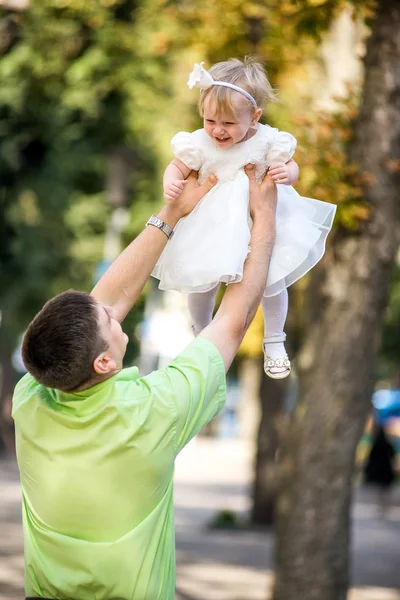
[(275, 339)]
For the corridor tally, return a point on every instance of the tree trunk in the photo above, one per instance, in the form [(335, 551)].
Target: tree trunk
[(337, 361), (272, 397), (7, 382)]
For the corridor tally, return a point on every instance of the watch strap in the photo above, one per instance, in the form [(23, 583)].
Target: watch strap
[(156, 222)]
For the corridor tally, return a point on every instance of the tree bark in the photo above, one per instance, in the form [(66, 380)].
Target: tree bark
[(337, 361), (272, 396), (7, 382)]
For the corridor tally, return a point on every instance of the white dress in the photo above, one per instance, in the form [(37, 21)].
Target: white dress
[(210, 245)]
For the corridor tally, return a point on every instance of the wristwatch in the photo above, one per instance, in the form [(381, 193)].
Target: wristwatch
[(161, 225)]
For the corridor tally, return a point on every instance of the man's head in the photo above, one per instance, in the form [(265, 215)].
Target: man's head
[(73, 343)]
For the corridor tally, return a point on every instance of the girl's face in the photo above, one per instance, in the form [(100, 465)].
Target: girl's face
[(227, 130)]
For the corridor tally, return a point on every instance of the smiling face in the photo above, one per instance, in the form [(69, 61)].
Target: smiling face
[(110, 361), (226, 128)]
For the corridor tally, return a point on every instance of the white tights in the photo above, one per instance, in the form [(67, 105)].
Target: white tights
[(275, 311), (201, 306)]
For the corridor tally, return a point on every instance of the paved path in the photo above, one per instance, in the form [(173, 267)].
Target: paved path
[(212, 475)]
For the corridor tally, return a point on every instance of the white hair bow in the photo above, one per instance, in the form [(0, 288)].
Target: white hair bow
[(201, 78)]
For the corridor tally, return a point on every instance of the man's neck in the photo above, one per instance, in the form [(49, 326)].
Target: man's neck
[(92, 382)]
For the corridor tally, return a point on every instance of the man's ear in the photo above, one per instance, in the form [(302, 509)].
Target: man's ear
[(103, 364)]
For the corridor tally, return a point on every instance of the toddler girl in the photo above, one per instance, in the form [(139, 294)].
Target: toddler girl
[(210, 245)]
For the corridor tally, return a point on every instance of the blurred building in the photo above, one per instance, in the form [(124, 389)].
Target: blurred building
[(165, 330)]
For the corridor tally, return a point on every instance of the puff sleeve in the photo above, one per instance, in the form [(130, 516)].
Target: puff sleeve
[(282, 148), (185, 148)]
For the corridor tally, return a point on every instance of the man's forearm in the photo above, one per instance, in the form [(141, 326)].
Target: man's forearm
[(242, 300), (124, 280)]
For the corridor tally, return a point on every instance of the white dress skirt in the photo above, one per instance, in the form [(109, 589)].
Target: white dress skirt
[(211, 244)]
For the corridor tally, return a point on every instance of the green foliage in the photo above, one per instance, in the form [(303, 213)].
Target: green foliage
[(325, 171), (225, 519), (66, 103)]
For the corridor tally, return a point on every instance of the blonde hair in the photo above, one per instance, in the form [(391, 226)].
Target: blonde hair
[(248, 74)]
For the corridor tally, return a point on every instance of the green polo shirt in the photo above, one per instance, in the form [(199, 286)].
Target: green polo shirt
[(97, 476)]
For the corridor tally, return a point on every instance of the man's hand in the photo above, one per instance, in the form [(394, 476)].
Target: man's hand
[(186, 201), (263, 197)]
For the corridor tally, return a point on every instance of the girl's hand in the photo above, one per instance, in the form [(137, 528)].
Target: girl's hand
[(280, 173), (174, 189), (186, 201)]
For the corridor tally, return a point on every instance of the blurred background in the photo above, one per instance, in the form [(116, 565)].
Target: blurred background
[(291, 492)]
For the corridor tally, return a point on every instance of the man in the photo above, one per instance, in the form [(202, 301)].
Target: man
[(96, 444)]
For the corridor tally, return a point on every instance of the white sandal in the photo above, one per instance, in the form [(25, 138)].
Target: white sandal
[(277, 363)]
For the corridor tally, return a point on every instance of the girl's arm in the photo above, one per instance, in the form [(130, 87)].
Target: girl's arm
[(286, 173), (175, 178)]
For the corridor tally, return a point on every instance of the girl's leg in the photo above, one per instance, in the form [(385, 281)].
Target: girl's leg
[(275, 311), (201, 306)]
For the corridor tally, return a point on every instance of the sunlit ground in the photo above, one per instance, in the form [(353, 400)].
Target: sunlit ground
[(223, 565)]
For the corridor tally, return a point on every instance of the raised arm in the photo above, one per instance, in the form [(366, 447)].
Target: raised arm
[(241, 300), (124, 280), (175, 178)]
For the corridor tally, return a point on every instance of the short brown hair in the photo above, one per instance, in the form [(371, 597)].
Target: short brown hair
[(248, 74), (63, 340)]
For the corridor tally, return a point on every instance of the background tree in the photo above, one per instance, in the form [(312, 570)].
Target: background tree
[(338, 360)]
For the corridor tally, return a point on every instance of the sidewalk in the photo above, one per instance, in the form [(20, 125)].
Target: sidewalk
[(217, 565)]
